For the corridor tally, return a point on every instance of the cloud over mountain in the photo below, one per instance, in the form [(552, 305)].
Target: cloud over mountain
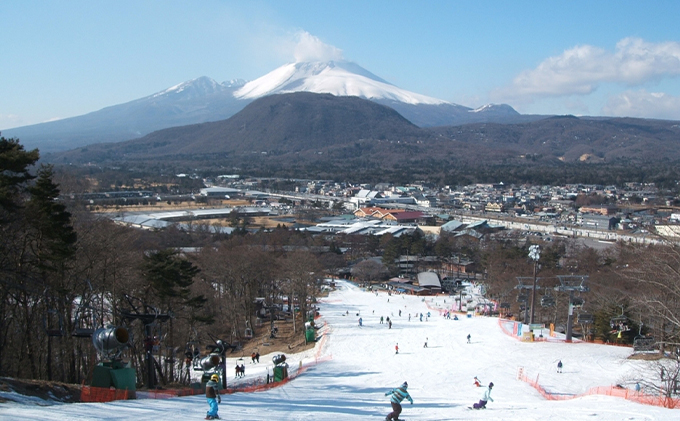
[(643, 104), (310, 48), (582, 69)]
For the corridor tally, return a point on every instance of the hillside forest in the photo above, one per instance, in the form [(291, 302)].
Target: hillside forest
[(66, 270)]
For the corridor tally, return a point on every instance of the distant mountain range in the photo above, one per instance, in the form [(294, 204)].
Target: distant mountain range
[(286, 130), (203, 100)]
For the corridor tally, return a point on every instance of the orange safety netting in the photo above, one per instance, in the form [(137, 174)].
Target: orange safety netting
[(617, 391), (100, 394), (103, 394)]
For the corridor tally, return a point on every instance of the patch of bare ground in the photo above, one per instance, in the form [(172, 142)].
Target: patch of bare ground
[(647, 356), (285, 342), (47, 390)]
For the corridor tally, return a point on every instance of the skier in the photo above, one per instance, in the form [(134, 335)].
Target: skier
[(425, 346), (486, 397), (390, 324), (559, 366), (399, 313), (212, 394), (477, 382), (398, 395), (396, 349), (381, 319), (468, 338), (360, 321)]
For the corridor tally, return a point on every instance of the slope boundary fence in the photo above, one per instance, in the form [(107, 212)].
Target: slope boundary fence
[(617, 391), (257, 384)]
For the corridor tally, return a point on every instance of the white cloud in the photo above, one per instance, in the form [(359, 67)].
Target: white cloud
[(581, 69), (643, 104), (310, 48)]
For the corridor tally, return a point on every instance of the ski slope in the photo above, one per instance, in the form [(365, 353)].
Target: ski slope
[(363, 366)]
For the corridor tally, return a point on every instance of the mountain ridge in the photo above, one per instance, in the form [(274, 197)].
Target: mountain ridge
[(203, 100), (286, 129)]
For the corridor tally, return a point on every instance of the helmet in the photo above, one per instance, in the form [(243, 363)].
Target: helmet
[(215, 377), (404, 385), (491, 384)]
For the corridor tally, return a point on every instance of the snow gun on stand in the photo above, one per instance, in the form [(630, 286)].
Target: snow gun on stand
[(214, 362), (110, 342), (280, 367)]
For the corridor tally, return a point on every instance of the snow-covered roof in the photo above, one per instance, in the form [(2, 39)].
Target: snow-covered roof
[(429, 279)]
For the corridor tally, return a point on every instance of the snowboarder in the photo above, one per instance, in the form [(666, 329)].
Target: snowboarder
[(559, 366), (398, 395), (486, 397), (212, 394), (468, 338), (396, 349), (478, 383)]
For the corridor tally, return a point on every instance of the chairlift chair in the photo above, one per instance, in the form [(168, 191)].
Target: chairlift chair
[(585, 318), (547, 301), (522, 297), (619, 322), (577, 302), (59, 331), (248, 333)]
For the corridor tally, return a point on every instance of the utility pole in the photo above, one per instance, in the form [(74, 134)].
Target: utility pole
[(534, 254)]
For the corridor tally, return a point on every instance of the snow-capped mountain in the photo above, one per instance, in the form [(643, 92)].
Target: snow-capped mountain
[(340, 78), (203, 100), (495, 108)]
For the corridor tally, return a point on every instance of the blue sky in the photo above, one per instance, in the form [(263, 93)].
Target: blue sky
[(620, 58)]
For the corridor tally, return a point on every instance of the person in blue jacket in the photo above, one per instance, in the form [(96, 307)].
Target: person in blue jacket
[(397, 395)]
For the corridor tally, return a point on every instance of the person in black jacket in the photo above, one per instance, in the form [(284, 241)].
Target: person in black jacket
[(212, 394)]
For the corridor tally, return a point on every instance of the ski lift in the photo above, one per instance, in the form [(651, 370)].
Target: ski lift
[(643, 343), (248, 331), (522, 297), (547, 301), (619, 322), (577, 302), (48, 322), (84, 322), (585, 318), (505, 305)]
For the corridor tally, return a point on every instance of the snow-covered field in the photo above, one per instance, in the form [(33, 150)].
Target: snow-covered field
[(351, 385)]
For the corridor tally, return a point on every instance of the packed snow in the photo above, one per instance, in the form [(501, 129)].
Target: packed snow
[(339, 78), (357, 365)]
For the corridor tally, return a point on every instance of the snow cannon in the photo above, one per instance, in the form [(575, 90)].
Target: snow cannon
[(110, 341), (280, 367), (209, 362)]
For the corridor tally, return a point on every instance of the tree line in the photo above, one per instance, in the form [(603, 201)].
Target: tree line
[(66, 271)]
